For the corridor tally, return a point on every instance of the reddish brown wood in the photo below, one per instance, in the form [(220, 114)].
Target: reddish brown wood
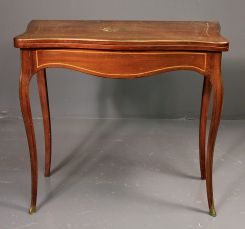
[(203, 124), (123, 35), (43, 94), (25, 77), (121, 64), (122, 49), (216, 81)]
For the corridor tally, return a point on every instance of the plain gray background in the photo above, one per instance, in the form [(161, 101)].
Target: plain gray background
[(171, 95), (115, 172)]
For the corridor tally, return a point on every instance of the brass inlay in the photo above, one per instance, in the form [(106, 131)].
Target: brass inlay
[(131, 40), (109, 29), (120, 52), (127, 53)]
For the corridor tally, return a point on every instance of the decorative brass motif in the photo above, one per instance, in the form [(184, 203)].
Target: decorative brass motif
[(109, 29)]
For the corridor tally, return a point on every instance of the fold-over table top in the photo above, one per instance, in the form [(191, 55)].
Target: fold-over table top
[(123, 35)]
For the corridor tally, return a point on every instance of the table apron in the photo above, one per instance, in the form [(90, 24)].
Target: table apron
[(120, 64)]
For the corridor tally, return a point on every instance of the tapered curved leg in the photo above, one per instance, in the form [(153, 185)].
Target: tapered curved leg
[(43, 94), (25, 77), (216, 81), (206, 91)]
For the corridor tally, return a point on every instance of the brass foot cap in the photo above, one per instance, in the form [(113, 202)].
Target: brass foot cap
[(32, 209), (212, 212)]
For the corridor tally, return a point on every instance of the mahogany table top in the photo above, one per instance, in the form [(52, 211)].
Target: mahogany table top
[(123, 35)]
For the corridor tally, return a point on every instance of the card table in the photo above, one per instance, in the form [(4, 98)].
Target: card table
[(122, 49)]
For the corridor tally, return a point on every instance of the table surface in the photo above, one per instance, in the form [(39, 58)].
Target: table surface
[(123, 35)]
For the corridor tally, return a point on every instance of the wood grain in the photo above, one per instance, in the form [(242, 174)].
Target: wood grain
[(123, 35), (121, 64)]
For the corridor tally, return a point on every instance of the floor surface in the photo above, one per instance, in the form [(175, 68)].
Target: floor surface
[(122, 174)]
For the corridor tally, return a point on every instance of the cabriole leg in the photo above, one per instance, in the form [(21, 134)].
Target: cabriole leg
[(25, 77), (206, 91), (43, 94), (216, 81)]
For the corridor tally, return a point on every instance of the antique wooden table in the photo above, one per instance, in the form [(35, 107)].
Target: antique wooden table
[(122, 49)]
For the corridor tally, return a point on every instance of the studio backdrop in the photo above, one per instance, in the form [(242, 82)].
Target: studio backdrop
[(170, 95)]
